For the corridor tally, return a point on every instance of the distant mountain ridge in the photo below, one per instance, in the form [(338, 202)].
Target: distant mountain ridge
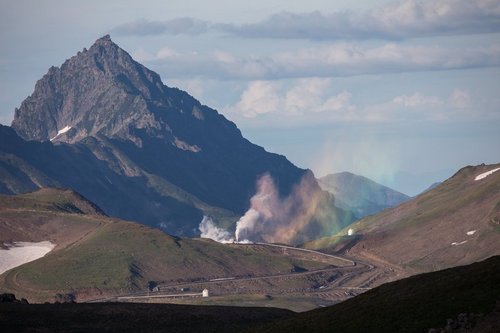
[(103, 91), (360, 194), (106, 126), (455, 223)]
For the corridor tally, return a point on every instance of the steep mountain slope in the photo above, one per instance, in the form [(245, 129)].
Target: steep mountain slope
[(455, 223), (97, 255), (414, 304), (28, 165), (361, 195), (148, 152)]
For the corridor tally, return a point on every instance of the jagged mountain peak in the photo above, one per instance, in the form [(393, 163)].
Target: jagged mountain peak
[(106, 39), (103, 91), (141, 150)]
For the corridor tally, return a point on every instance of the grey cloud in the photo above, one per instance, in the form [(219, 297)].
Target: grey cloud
[(327, 61), (400, 20), (407, 19), (182, 25)]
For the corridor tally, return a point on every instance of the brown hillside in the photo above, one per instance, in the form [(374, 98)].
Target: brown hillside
[(97, 256), (456, 223)]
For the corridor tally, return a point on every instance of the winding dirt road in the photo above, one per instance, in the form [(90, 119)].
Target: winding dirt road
[(336, 282)]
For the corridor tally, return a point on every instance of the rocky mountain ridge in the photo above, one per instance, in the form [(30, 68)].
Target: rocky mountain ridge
[(107, 127), (98, 91)]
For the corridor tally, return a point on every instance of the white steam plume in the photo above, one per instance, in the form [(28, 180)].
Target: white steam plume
[(303, 215), (209, 230)]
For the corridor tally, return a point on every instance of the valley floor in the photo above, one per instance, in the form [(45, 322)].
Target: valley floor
[(342, 278), (452, 300)]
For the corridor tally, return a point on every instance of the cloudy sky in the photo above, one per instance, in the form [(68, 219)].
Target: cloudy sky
[(403, 92)]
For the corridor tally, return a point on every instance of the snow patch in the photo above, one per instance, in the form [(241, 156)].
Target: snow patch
[(20, 253), (62, 131), (486, 174), (459, 243), (470, 233)]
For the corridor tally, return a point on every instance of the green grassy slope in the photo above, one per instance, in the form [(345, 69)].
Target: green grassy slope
[(413, 304), (49, 199), (456, 223), (99, 255)]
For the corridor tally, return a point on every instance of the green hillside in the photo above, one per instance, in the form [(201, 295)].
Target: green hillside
[(96, 255), (415, 304), (455, 223)]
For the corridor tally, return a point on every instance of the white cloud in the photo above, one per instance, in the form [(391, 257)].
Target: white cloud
[(260, 97), (352, 59), (303, 98), (458, 99), (420, 107), (314, 101), (417, 100), (176, 26), (338, 102), (306, 94), (321, 61), (397, 20)]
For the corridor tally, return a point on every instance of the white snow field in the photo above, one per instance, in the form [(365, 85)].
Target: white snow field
[(22, 252), (486, 174), (62, 131)]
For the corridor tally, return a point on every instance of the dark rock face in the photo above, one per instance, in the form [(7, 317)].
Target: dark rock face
[(465, 322), (11, 298), (27, 165), (99, 91), (7, 298), (65, 298), (139, 149)]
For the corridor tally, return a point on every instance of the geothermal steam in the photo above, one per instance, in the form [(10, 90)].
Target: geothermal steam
[(209, 230), (306, 213), (287, 220)]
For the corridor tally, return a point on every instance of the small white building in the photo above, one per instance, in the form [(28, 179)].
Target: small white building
[(205, 293), (350, 232)]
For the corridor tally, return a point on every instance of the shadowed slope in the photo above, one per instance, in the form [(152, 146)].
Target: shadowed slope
[(414, 304)]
